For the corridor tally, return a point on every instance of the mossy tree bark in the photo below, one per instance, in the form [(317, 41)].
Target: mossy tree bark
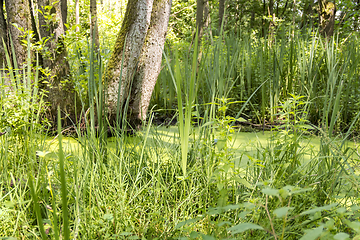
[(3, 31), (18, 17), (139, 47), (327, 12), (94, 33), (60, 90)]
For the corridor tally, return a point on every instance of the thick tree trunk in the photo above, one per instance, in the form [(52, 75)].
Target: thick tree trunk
[(18, 13), (94, 33), (127, 50), (141, 59), (149, 62), (3, 31), (327, 12), (60, 92)]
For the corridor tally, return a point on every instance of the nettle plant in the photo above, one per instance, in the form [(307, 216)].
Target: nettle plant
[(17, 113)]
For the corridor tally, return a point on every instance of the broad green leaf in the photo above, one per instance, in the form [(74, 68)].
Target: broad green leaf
[(319, 209), (108, 217), (341, 210), (341, 236), (207, 237), (231, 207), (220, 224), (281, 212), (243, 214), (194, 234), (354, 225), (270, 191), (243, 181), (301, 190), (187, 222), (313, 233), (243, 227)]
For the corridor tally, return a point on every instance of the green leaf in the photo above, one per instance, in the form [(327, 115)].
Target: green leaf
[(243, 227), (243, 181), (243, 214), (313, 234), (187, 222), (301, 190), (194, 234), (341, 236), (220, 224), (207, 237), (133, 237), (108, 217), (281, 212), (319, 209), (231, 207), (354, 225), (270, 191)]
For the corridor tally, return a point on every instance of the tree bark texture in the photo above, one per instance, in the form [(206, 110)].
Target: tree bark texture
[(3, 34), (60, 93), (18, 17), (199, 18), (327, 12), (221, 13), (139, 47), (127, 50), (94, 32), (149, 62)]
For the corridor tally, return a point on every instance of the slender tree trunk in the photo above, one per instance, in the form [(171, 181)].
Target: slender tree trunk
[(144, 19), (64, 12), (149, 62), (199, 18), (3, 35), (77, 15), (60, 92), (18, 13), (221, 13), (94, 33), (327, 12)]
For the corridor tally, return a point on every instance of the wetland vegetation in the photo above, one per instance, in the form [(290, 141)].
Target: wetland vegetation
[(255, 139)]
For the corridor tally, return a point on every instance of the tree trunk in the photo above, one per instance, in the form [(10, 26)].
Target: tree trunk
[(64, 12), (18, 13), (132, 50), (221, 13), (327, 12), (60, 90), (149, 63), (3, 31), (94, 33), (199, 18)]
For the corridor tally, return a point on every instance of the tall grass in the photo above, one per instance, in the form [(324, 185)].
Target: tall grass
[(171, 183)]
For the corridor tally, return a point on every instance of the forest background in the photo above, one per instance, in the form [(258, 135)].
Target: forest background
[(287, 67)]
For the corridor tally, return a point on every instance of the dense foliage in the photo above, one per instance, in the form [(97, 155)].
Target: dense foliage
[(192, 172)]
